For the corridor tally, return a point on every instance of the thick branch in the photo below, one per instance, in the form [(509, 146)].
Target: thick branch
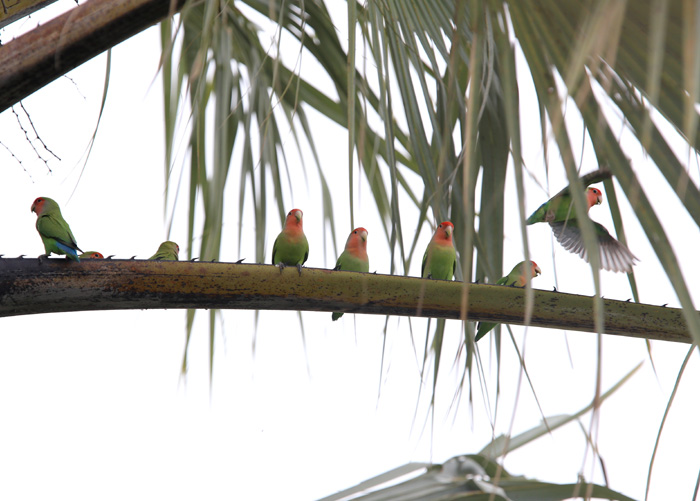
[(37, 58), (28, 287), (13, 10)]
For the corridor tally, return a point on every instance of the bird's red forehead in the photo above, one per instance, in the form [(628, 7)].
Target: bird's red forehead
[(38, 204)]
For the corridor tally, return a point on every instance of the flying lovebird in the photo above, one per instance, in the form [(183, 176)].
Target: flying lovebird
[(561, 215), (291, 247), (167, 251), (518, 277), (440, 258), (354, 257), (91, 255), (53, 229)]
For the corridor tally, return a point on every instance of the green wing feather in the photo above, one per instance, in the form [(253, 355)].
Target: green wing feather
[(52, 226)]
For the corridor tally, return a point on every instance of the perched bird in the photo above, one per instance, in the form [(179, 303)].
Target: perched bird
[(91, 255), (517, 277), (53, 229), (561, 215), (168, 251), (291, 247), (354, 257), (440, 258)]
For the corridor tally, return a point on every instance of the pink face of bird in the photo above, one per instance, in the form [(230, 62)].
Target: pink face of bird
[(95, 255), (294, 217), (38, 206), (534, 272), (358, 238), (595, 197), (361, 233), (444, 231)]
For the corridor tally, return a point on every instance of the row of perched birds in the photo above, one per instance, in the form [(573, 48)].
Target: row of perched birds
[(291, 247), (58, 238)]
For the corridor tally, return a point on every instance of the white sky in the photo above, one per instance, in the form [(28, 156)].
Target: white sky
[(93, 405)]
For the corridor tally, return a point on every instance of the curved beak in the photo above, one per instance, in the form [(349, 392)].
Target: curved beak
[(363, 236), (537, 271)]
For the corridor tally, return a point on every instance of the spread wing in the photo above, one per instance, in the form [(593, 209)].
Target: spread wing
[(614, 256)]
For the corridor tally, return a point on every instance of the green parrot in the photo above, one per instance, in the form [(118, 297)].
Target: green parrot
[(91, 255), (53, 229), (354, 257), (291, 247), (517, 277), (560, 207), (440, 258), (559, 212), (167, 251)]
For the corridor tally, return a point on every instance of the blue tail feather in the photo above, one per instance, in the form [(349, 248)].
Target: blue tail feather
[(70, 252)]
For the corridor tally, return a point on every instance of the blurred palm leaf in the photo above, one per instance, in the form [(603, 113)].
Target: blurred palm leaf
[(479, 476), (467, 477)]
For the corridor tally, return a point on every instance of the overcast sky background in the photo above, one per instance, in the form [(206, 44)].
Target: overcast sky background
[(93, 405)]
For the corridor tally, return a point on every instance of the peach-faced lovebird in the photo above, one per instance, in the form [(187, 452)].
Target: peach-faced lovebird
[(91, 255), (354, 257), (559, 212), (53, 229), (167, 251), (440, 258), (291, 247), (517, 277)]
